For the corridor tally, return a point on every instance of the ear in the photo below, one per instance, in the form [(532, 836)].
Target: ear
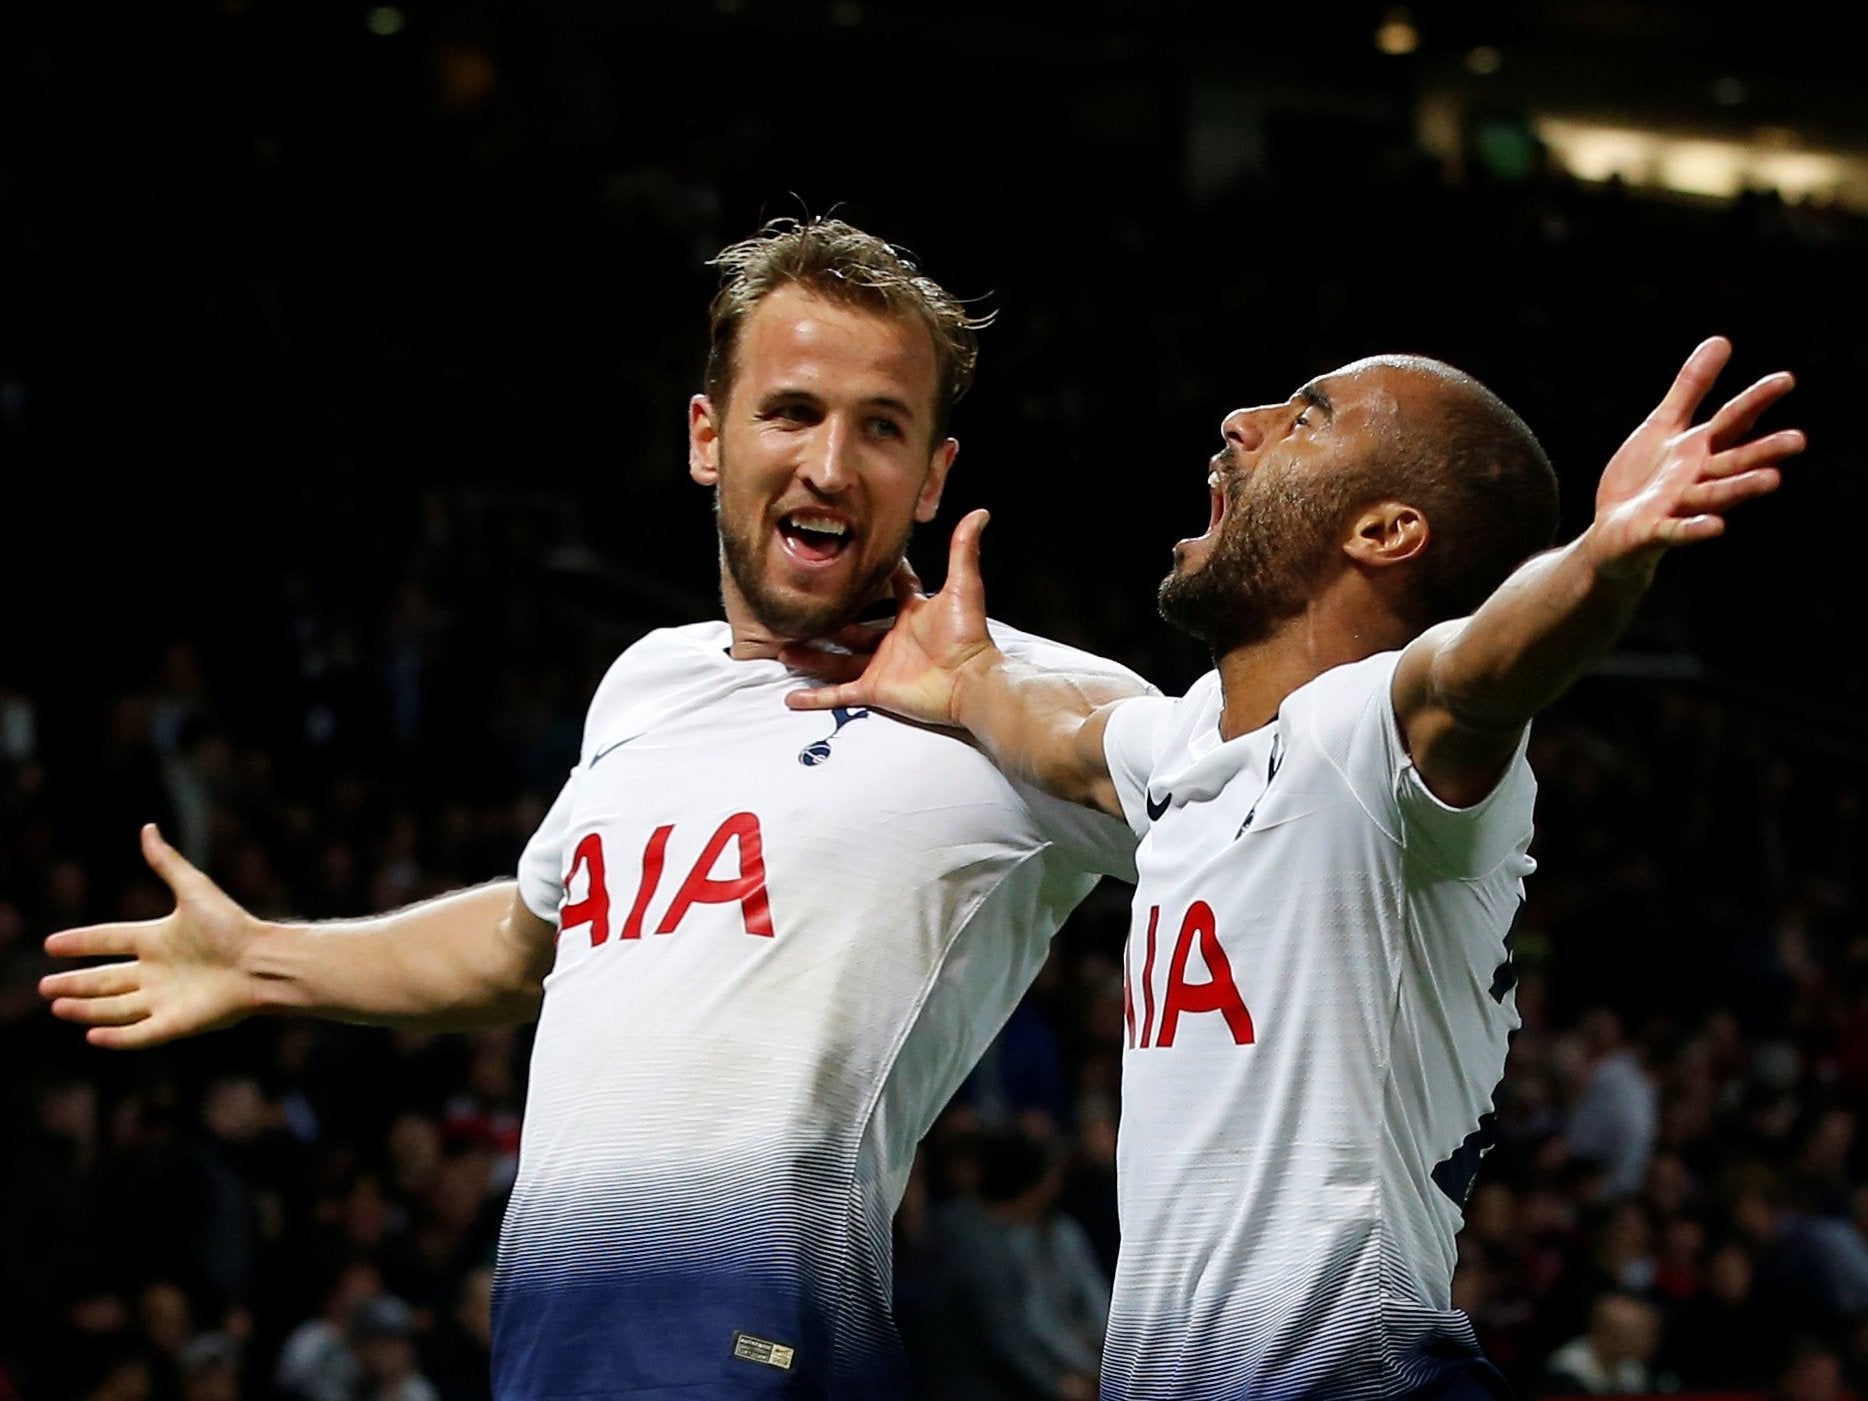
[(928, 502), (1389, 532), (703, 441)]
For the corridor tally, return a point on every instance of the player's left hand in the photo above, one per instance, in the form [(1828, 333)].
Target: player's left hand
[(1672, 482)]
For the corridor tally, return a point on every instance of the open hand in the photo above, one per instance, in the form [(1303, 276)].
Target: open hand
[(914, 672), (176, 976), (1671, 483)]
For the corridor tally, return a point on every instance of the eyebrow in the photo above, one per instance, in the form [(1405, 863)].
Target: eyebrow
[(1318, 400), (791, 394)]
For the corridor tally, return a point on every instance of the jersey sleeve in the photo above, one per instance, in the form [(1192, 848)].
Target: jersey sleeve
[(541, 864), (1349, 713), (1093, 840), (1132, 744), (1468, 842)]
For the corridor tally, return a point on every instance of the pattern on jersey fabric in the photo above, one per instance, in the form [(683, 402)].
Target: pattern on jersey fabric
[(769, 977), (1289, 1198), (720, 1256)]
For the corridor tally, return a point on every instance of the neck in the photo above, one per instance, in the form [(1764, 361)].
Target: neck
[(752, 639), (1254, 679)]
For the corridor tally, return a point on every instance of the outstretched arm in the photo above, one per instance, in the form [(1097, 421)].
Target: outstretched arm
[(1465, 690), (474, 958), (938, 665)]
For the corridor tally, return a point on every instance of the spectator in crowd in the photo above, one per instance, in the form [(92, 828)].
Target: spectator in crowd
[(1614, 1356), (1614, 1121), (382, 530), (1720, 1338), (382, 1340), (1022, 1282), (208, 1368)]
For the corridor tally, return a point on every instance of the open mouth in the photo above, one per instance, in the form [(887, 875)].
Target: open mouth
[(814, 537), (1191, 552), (1216, 489)]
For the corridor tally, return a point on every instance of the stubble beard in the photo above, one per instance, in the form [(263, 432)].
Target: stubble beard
[(1259, 574), (798, 617)]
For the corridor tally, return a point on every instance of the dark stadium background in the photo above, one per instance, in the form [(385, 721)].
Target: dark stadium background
[(343, 360)]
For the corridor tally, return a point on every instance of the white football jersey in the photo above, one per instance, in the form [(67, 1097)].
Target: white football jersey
[(1318, 993), (784, 939)]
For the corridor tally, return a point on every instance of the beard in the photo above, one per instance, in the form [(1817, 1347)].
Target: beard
[(787, 613), (1274, 545)]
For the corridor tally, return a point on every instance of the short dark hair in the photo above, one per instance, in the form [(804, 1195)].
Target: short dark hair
[(1482, 479), (841, 263)]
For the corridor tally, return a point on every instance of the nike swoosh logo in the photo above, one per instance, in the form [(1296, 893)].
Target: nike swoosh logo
[(608, 747), (1155, 809)]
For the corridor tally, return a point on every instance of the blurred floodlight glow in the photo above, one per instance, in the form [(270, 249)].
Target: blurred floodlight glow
[(1484, 60), (1800, 174), (1701, 167), (1397, 34), (1598, 152), (384, 20), (1698, 165)]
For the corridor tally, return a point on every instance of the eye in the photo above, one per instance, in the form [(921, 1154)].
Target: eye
[(886, 428), (1302, 420)]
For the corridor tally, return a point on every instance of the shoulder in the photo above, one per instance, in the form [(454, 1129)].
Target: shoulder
[(1348, 687), (663, 655), (1028, 647)]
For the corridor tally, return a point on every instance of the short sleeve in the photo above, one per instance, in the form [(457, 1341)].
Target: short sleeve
[(1092, 840), (1349, 713), (541, 865), (1132, 744), (1469, 842)]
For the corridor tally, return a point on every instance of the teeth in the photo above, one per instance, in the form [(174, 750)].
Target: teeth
[(1213, 479), (823, 525)]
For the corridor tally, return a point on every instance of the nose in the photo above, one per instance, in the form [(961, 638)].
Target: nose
[(1242, 429), (829, 467)]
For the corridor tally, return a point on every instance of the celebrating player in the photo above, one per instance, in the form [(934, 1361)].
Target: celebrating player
[(1334, 826), (768, 944)]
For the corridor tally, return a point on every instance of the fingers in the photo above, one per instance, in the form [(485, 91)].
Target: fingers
[(1763, 452), (93, 941), (1695, 379), (1723, 493), (824, 666), (110, 980), (861, 638), (1735, 419), (133, 1036), (121, 1010), (963, 558), (1689, 530), (826, 697)]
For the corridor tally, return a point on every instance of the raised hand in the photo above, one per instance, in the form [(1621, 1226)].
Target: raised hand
[(914, 671), (1672, 482), (176, 976)]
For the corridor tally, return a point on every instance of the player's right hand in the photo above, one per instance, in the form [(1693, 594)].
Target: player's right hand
[(174, 976), (915, 671)]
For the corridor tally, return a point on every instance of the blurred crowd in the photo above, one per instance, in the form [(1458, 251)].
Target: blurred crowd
[(433, 492), (299, 1210)]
